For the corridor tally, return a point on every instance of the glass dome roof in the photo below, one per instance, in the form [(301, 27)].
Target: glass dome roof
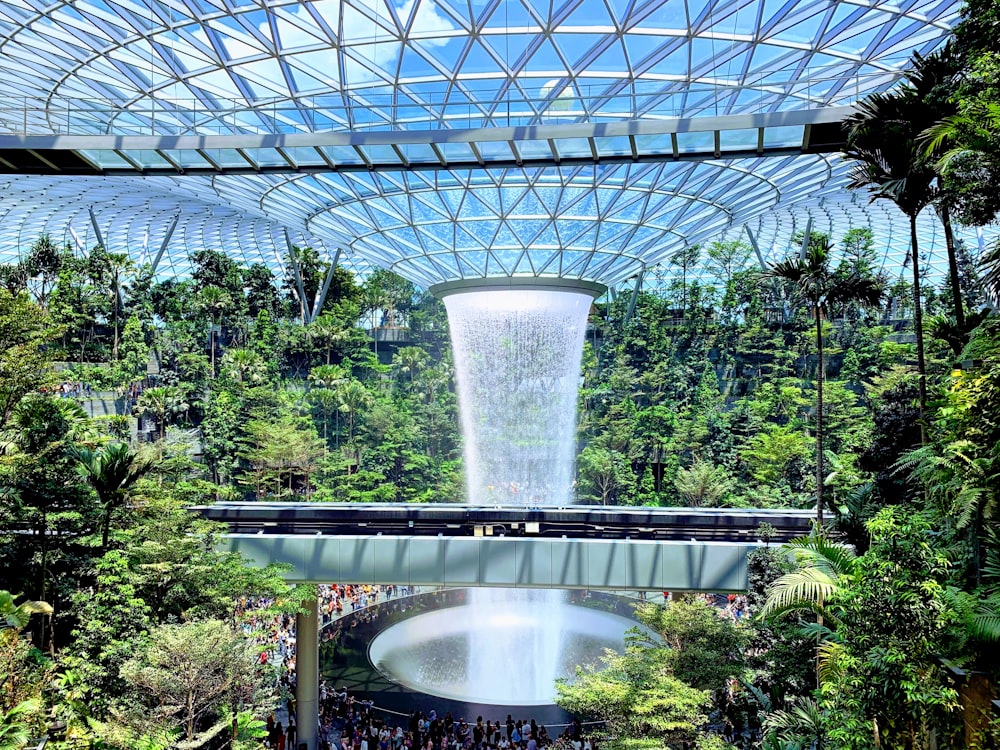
[(447, 74)]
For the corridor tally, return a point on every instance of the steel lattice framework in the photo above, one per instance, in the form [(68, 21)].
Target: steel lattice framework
[(429, 83)]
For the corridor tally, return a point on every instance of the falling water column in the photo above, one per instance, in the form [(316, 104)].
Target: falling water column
[(517, 344)]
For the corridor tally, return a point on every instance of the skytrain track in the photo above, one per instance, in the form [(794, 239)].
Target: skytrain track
[(571, 522)]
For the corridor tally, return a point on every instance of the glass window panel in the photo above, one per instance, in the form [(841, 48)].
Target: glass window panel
[(534, 149), (496, 150), (695, 143), (783, 137), (185, 158), (617, 146), (265, 157), (380, 154), (738, 140), (418, 153), (573, 148), (458, 152), (304, 157), (654, 144), (342, 154), (226, 157), (147, 158), (107, 159)]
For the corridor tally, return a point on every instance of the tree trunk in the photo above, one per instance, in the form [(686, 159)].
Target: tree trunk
[(106, 526), (918, 325), (956, 287), (114, 308), (819, 416)]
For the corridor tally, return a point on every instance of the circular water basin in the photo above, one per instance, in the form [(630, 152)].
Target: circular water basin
[(432, 652)]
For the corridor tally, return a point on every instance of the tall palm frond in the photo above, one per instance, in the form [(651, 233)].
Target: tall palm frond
[(822, 288), (111, 470), (985, 624), (14, 728), (803, 722), (884, 139), (822, 566)]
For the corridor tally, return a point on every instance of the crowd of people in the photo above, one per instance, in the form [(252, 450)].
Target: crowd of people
[(349, 724), (346, 723), (74, 389)]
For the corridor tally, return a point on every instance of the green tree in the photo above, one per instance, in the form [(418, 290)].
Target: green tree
[(164, 404), (604, 475), (194, 674), (823, 290), (111, 470), (884, 684), (42, 266), (884, 139), (25, 330), (410, 360), (642, 704), (702, 484)]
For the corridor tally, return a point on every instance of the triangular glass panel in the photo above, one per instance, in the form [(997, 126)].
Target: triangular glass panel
[(506, 238), (529, 205), (297, 29), (264, 74), (668, 14), (611, 60), (305, 74), (524, 265), (413, 63), (526, 229), (472, 234), (588, 238), (472, 263), (507, 259), (474, 207)]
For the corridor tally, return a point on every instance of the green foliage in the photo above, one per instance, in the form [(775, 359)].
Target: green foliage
[(189, 676), (703, 648), (703, 485), (24, 331), (883, 678), (772, 454), (638, 698)]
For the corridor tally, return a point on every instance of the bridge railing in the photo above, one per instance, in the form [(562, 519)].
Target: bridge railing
[(362, 110)]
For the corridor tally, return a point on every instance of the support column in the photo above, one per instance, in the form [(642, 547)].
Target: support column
[(307, 675)]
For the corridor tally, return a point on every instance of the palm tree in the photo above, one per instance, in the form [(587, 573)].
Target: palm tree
[(244, 366), (819, 286), (821, 568), (330, 331), (884, 138), (15, 730), (969, 137), (353, 396), (214, 302), (328, 403), (111, 471), (411, 360), (933, 80), (163, 403)]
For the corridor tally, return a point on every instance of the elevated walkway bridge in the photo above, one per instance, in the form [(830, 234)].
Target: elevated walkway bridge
[(95, 147), (573, 547)]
